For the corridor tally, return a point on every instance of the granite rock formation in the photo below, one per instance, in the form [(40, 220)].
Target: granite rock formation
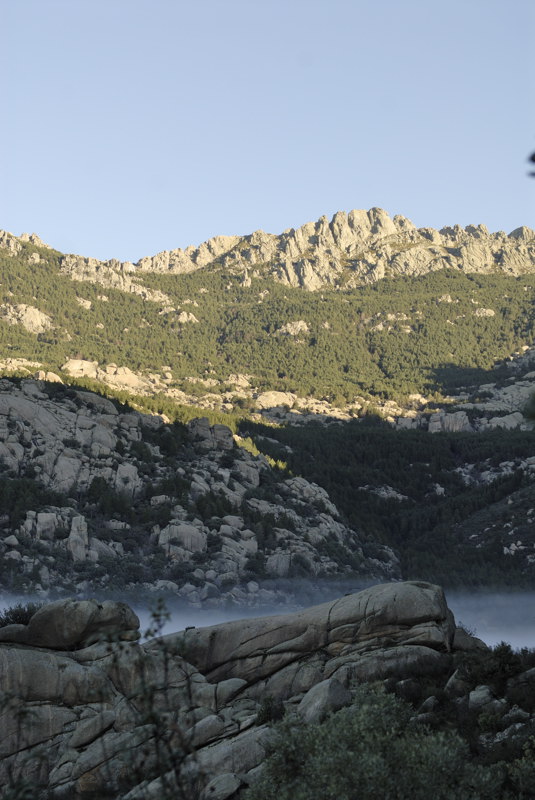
[(83, 447), (349, 250), (354, 248), (111, 717)]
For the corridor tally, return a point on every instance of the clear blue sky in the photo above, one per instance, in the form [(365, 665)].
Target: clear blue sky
[(134, 126)]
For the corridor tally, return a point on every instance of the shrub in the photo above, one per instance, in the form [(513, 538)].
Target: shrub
[(213, 505), (256, 565), (300, 566), (141, 451), (492, 667), (370, 750), (529, 408), (271, 710), (19, 614), (521, 774)]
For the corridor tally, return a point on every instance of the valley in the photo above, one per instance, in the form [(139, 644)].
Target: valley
[(222, 428), (230, 434)]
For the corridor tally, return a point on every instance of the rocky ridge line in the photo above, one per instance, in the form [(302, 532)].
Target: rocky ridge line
[(351, 249), (356, 248)]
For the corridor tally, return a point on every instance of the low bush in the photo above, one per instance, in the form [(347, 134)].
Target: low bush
[(371, 750), (19, 614), (492, 667)]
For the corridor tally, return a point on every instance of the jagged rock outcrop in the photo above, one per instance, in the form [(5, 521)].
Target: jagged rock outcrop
[(492, 405), (113, 274), (14, 243), (192, 258), (29, 317), (349, 250), (355, 248), (110, 718), (209, 436), (118, 377)]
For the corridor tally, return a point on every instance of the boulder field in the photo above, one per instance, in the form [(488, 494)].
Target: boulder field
[(91, 711)]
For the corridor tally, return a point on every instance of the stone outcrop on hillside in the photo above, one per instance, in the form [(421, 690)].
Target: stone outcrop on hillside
[(109, 717), (491, 405), (222, 519), (118, 377), (113, 274), (29, 317)]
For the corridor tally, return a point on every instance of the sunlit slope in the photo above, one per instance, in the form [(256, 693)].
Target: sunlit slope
[(204, 327)]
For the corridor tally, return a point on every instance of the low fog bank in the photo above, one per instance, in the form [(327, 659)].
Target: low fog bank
[(490, 615), (301, 594), (162, 614)]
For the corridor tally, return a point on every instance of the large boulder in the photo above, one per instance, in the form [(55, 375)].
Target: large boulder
[(210, 437), (126, 720), (409, 623), (74, 624), (322, 699)]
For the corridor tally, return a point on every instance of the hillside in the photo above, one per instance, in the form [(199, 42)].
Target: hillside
[(433, 336), (98, 497), (458, 507), (219, 325)]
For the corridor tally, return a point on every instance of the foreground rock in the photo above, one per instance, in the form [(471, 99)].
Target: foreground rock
[(120, 719), (336, 639)]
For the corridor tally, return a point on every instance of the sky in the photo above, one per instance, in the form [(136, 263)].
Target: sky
[(135, 126)]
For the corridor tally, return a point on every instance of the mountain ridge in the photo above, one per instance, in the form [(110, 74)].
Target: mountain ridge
[(223, 327), (351, 249)]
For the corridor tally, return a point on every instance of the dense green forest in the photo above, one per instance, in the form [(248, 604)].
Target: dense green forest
[(433, 531), (397, 336)]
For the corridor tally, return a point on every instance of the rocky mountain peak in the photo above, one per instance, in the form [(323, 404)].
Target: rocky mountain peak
[(355, 248), (349, 250)]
